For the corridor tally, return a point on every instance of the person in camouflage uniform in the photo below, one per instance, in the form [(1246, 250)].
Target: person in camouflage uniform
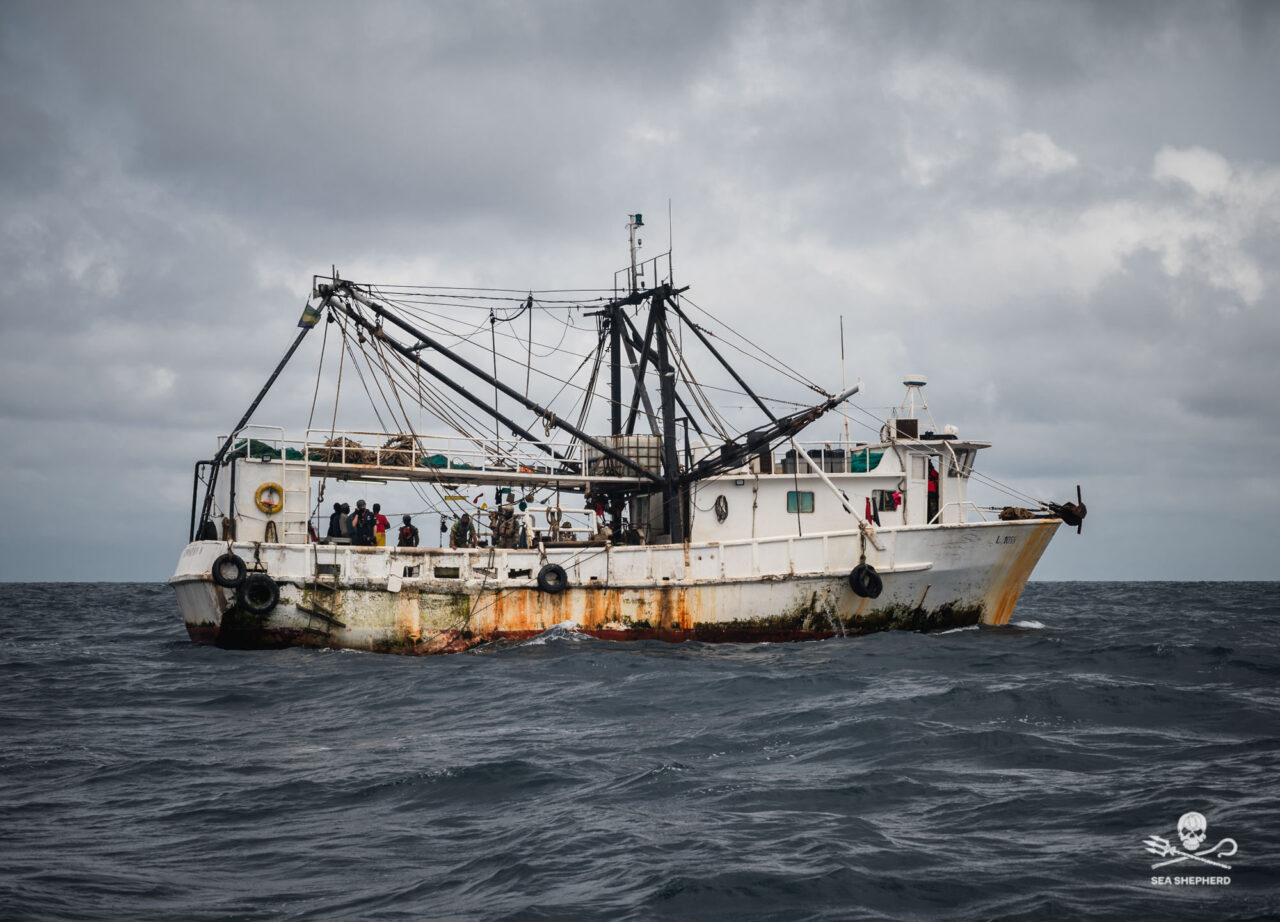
[(506, 531), (463, 533)]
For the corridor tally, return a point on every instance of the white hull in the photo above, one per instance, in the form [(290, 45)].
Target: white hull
[(431, 600)]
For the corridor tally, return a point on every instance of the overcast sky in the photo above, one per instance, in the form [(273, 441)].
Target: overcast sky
[(1066, 215)]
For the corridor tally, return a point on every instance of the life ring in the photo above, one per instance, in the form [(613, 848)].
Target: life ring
[(228, 571), (258, 593), (865, 581), (552, 579), (269, 506)]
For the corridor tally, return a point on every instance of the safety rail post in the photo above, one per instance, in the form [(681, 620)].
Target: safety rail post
[(959, 504), (195, 492)]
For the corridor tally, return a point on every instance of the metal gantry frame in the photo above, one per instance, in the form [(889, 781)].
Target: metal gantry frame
[(627, 348)]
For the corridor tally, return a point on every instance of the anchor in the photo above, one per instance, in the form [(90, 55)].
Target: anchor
[(1072, 513)]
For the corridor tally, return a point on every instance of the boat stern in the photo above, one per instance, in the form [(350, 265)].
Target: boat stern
[(201, 602)]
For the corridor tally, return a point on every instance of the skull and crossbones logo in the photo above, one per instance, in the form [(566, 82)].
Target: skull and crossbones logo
[(1193, 830)]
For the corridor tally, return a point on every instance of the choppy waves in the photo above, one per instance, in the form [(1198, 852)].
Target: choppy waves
[(1006, 773)]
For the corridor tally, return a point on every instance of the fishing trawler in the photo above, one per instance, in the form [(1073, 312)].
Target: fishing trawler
[(673, 524)]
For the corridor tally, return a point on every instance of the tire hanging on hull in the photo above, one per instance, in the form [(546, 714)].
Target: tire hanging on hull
[(866, 582), (228, 571), (552, 579), (258, 594)]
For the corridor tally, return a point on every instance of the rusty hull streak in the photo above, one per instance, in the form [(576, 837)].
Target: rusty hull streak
[(516, 612), (1014, 570), (508, 615)]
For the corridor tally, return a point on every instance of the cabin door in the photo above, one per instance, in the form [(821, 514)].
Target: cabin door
[(922, 488), (916, 469)]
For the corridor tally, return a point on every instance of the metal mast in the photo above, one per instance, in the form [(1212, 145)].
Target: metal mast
[(671, 509), (614, 318)]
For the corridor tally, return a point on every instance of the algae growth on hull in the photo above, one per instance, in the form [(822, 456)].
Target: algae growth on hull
[(456, 623)]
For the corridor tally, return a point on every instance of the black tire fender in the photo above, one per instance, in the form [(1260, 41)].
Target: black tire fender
[(865, 581), (258, 594), (552, 579), (228, 571)]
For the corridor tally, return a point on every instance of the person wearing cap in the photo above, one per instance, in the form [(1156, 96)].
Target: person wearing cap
[(362, 523)]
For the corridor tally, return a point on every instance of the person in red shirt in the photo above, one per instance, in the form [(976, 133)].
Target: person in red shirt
[(933, 492), (379, 526)]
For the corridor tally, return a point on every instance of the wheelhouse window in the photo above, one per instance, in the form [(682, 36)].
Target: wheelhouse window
[(799, 501), (886, 500), (963, 466)]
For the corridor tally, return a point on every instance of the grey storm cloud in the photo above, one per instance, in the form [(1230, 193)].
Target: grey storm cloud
[(1064, 213)]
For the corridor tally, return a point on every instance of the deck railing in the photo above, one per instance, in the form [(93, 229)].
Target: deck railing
[(389, 449)]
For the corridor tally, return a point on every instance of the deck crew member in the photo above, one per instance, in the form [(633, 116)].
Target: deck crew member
[(463, 534), (932, 502), (335, 524), (505, 535), (408, 533), (362, 523), (380, 525)]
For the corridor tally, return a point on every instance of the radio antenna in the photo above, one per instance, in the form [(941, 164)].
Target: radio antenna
[(843, 385)]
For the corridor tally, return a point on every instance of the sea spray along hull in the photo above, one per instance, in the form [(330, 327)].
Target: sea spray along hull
[(431, 600)]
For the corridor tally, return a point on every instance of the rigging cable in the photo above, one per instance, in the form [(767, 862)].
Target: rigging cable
[(390, 408), (324, 342), (493, 347), (337, 394), (417, 441), (785, 369), (315, 394), (422, 314), (1005, 488), (591, 384), (714, 419)]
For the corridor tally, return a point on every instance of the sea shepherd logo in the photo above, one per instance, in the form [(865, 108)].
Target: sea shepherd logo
[(1193, 830)]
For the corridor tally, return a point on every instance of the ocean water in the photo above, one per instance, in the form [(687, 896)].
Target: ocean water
[(1008, 773)]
